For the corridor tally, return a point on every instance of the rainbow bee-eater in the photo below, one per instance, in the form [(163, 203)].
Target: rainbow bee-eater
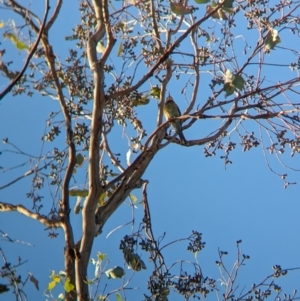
[(171, 110)]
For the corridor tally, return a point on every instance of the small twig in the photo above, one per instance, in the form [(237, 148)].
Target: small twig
[(149, 231)]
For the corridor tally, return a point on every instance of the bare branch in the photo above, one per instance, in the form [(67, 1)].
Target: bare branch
[(54, 16), (164, 56), (30, 55), (6, 207)]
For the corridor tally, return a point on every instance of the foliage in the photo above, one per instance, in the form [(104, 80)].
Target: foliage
[(123, 57)]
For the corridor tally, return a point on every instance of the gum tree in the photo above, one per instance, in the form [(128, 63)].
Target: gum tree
[(232, 64)]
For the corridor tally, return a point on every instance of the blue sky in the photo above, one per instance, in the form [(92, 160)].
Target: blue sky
[(186, 192)]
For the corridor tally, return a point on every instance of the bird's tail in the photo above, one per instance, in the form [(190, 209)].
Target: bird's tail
[(182, 138)]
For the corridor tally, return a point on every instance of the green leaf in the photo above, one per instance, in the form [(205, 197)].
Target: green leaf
[(119, 297), (79, 192), (229, 77), (120, 49), (18, 43), (62, 274), (79, 159), (116, 272), (179, 9), (220, 13), (134, 261), (238, 82), (141, 101), (229, 89), (232, 82), (102, 198), (133, 198), (100, 47), (101, 256), (68, 286), (51, 285), (55, 278), (208, 38), (228, 4), (155, 92), (202, 1), (169, 62), (90, 281), (272, 39), (78, 206)]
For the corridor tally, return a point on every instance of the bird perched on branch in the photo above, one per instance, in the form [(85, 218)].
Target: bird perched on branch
[(171, 110)]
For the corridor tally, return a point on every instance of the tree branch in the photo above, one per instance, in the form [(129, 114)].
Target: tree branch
[(130, 179), (54, 16), (5, 207), (95, 189), (30, 55), (164, 56)]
